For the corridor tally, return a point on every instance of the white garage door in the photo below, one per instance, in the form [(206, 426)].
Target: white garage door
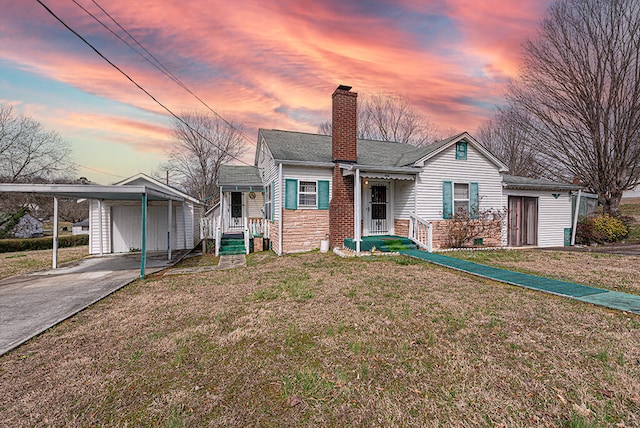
[(127, 221)]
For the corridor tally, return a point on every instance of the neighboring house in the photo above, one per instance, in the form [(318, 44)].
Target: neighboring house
[(27, 227), (122, 219), (339, 188), (80, 228)]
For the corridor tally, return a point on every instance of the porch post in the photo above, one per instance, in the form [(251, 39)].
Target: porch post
[(575, 218), (357, 233), (100, 226), (170, 214), (220, 222), (55, 232), (143, 256)]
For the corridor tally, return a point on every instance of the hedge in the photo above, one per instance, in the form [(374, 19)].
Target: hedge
[(46, 243)]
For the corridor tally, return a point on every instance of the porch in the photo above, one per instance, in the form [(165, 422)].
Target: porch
[(384, 243)]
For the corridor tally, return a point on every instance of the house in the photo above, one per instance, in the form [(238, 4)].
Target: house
[(343, 189), (80, 228), (27, 227), (118, 221)]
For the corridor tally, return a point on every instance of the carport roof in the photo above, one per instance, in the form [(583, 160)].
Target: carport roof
[(91, 191)]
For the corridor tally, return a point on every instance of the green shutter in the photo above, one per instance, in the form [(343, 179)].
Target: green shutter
[(447, 200), (461, 150), (323, 194), (474, 200), (291, 194)]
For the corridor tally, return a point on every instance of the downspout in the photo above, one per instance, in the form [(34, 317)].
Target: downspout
[(575, 219), (281, 210), (357, 210), (184, 223)]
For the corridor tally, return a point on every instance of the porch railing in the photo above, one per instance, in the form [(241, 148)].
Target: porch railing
[(259, 227), (208, 228), (421, 232)]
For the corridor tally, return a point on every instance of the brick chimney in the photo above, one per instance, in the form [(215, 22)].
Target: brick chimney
[(343, 150)]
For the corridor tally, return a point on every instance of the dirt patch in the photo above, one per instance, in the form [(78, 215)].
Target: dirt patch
[(316, 340)]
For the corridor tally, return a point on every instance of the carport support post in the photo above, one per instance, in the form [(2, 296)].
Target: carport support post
[(55, 232), (143, 257), (100, 225), (575, 218), (169, 231)]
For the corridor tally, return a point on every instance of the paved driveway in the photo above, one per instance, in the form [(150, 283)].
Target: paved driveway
[(32, 303)]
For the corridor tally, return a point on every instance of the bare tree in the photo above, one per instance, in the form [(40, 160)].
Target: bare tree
[(390, 118), (28, 152), (199, 149), (581, 84), (510, 136)]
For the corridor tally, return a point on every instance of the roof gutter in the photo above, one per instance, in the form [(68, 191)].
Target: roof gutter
[(390, 169)]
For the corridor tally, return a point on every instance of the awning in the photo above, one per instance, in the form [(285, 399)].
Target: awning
[(387, 176)]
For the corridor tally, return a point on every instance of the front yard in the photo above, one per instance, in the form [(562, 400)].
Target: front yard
[(317, 340)]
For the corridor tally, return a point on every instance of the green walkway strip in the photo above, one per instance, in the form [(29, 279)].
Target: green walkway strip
[(597, 296)]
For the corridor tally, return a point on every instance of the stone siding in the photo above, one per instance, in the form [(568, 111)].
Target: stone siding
[(491, 237), (302, 230), (401, 227)]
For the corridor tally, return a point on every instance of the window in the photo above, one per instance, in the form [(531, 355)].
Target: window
[(268, 213), (461, 150), (460, 197), (308, 194)]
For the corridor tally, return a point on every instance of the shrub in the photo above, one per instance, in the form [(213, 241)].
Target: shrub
[(463, 230), (15, 245), (600, 229)]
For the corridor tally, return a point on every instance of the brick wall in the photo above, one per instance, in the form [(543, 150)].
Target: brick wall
[(343, 149), (401, 227), (302, 230)]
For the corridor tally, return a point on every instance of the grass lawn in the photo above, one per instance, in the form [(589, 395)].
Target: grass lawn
[(29, 261), (315, 340)]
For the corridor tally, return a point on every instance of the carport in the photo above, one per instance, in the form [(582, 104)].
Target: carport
[(142, 193)]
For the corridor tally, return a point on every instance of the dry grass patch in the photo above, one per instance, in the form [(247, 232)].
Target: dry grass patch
[(30, 261), (612, 272), (315, 340)]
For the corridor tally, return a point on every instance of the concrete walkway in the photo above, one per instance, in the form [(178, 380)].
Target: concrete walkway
[(32, 303), (597, 296)]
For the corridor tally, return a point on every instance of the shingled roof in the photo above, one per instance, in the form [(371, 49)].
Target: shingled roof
[(239, 178), (523, 183), (303, 147)]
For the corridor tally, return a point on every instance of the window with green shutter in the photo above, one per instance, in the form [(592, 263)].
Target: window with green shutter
[(291, 194), (461, 150)]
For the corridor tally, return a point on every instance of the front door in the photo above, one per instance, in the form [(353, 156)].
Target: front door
[(378, 218), (235, 221), (523, 221)]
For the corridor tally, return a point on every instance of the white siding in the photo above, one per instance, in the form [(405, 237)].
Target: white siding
[(269, 171), (94, 228), (308, 173), (554, 215), (445, 167), (255, 206), (403, 198)]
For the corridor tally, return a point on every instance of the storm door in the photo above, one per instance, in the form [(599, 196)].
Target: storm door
[(236, 222), (523, 221), (379, 209)]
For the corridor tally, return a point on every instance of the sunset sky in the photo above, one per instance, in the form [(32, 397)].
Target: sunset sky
[(265, 64)]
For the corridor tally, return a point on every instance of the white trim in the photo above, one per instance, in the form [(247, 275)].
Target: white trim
[(281, 180), (159, 184)]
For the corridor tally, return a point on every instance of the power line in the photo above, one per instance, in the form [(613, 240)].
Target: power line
[(156, 63), (98, 171), (131, 79)]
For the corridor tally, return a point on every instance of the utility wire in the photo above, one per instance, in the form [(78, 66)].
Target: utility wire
[(156, 63), (131, 79)]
